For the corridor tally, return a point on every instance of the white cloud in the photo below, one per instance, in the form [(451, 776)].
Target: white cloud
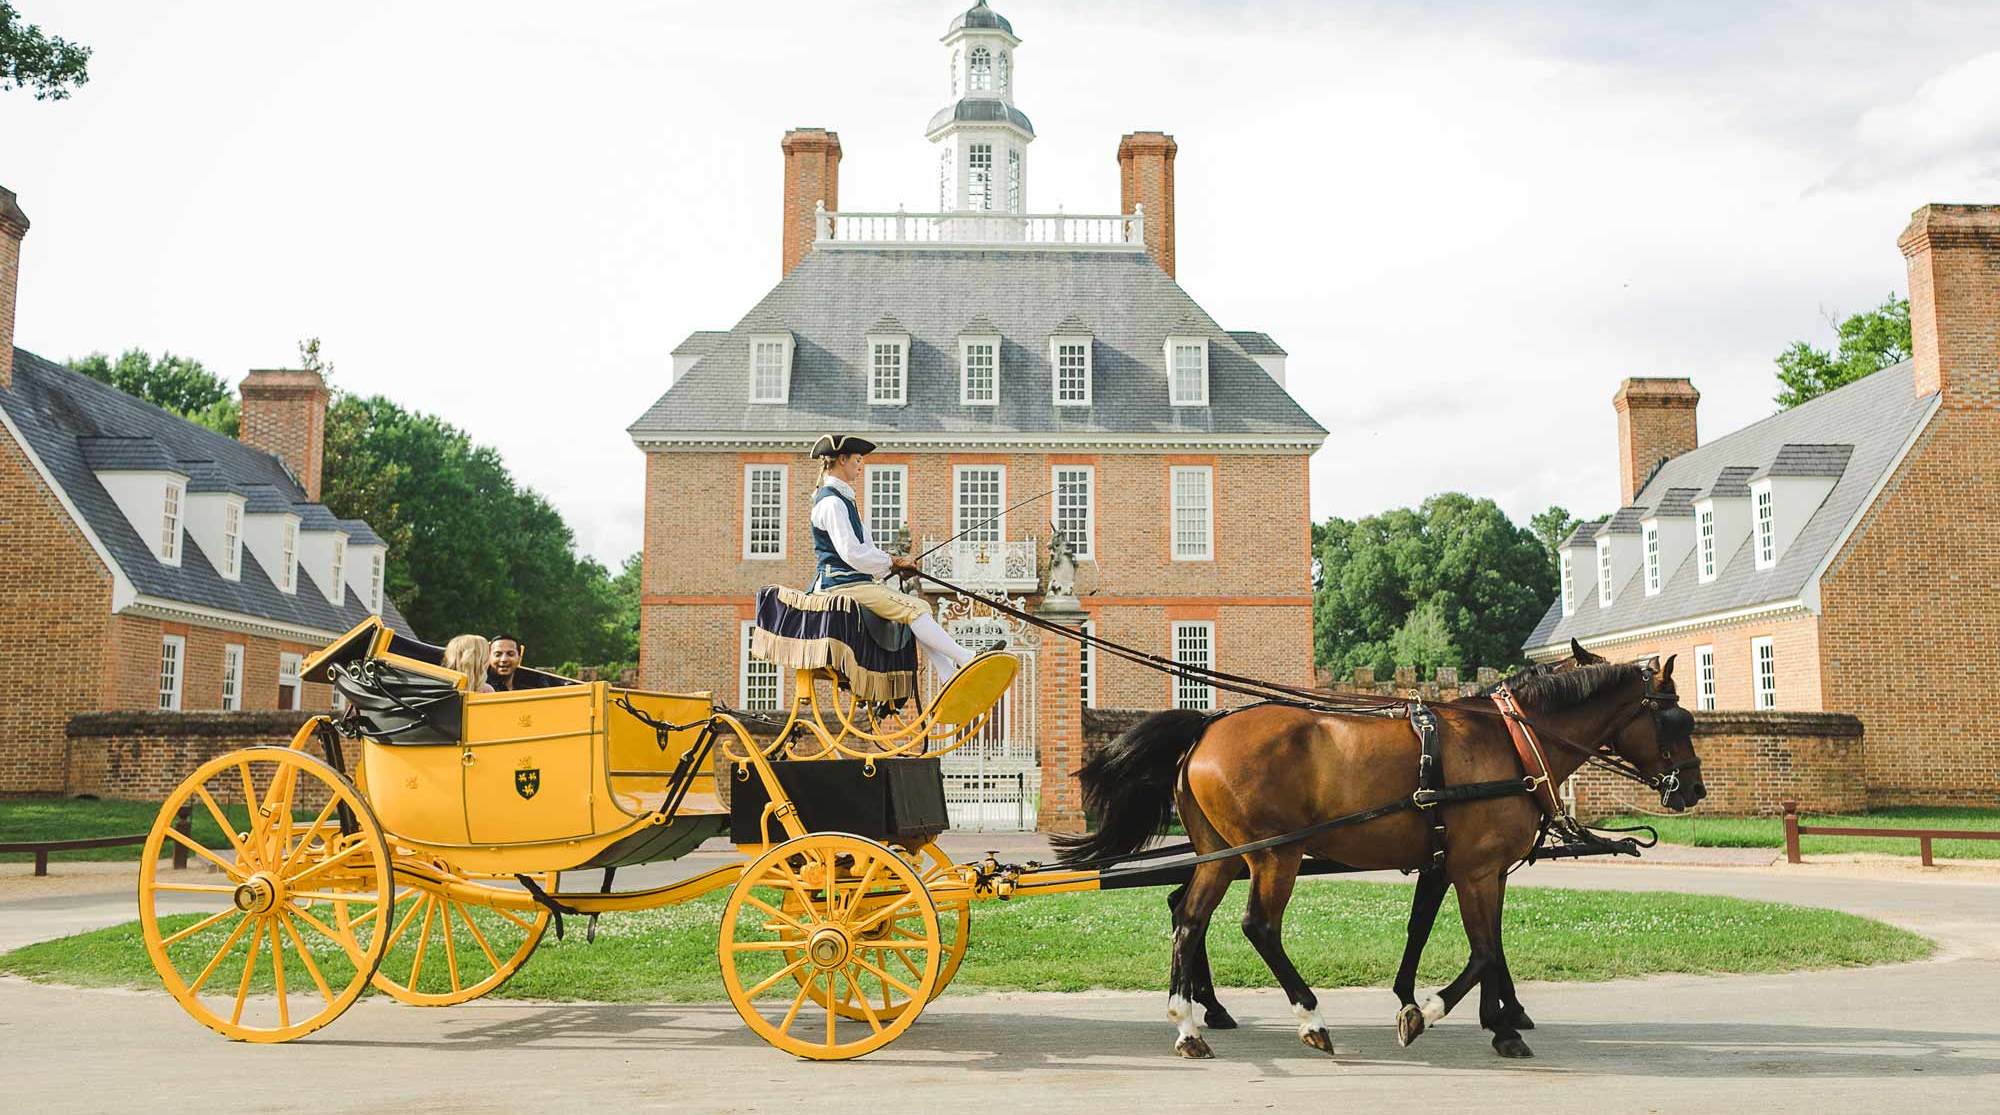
[(1949, 126)]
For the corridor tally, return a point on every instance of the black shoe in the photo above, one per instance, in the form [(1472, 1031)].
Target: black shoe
[(988, 647)]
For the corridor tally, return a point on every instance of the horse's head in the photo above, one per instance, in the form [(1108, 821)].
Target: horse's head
[(1658, 739)]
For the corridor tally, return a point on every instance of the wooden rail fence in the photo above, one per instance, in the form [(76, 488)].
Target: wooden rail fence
[(1923, 837), (43, 848)]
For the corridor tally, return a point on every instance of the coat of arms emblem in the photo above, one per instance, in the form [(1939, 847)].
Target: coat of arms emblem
[(527, 780)]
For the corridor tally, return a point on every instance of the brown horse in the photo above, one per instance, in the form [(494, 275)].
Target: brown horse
[(1273, 769)]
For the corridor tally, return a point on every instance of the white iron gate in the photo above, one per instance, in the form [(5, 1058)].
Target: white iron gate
[(994, 782)]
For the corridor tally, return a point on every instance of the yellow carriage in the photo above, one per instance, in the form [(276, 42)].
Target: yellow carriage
[(417, 841)]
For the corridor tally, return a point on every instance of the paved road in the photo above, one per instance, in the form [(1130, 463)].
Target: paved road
[(1916, 1037)]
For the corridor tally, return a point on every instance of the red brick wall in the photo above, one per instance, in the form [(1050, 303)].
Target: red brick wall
[(13, 226), (284, 414), (812, 175), (1146, 176), (143, 756), (1656, 419), (1795, 646), (1753, 762)]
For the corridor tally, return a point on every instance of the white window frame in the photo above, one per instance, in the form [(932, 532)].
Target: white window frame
[(288, 556), (1207, 550), (173, 512), (232, 540), (1568, 583), (1189, 693), (338, 581), (1763, 669), (1056, 344), (1704, 532), (1086, 672), (289, 668), (173, 671), (1604, 572), (1088, 550), (758, 343), (749, 663), (1764, 525), (966, 343), (750, 473), (900, 343), (1174, 396), (959, 526), (1704, 677), (979, 80), (232, 677), (978, 179), (375, 582), (1650, 540), (877, 535)]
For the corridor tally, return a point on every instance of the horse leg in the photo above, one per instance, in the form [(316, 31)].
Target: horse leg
[(1272, 875), (1476, 910), (1510, 1009), (1198, 980), (1190, 949), (1431, 885), (1479, 905)]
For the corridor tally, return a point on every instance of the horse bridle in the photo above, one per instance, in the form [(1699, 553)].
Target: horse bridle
[(1671, 724)]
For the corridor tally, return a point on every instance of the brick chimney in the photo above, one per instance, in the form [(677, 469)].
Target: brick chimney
[(1146, 177), (284, 414), (812, 176), (1655, 422), (1954, 257), (13, 226)]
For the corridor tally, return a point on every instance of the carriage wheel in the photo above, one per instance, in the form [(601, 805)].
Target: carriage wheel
[(250, 950), (444, 950), (955, 930), (850, 900)]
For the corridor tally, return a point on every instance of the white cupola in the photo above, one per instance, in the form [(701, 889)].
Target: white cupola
[(982, 139)]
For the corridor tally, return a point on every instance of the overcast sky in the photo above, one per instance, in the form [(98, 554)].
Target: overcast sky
[(1466, 222)]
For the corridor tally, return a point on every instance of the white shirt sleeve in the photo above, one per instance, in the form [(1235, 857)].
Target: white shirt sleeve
[(830, 515)]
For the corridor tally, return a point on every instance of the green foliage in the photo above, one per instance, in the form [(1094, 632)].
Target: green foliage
[(1489, 581), (1552, 526), (30, 59), (172, 383), (1869, 342), (1424, 641)]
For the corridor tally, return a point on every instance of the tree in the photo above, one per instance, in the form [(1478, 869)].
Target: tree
[(1488, 579), (1424, 641), (1552, 526), (172, 383), (1869, 342), (30, 59)]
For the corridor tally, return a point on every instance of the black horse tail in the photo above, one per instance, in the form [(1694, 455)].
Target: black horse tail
[(1128, 785)]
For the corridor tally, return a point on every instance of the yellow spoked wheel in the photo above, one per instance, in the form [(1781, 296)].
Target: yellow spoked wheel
[(805, 928), (251, 950), (446, 949)]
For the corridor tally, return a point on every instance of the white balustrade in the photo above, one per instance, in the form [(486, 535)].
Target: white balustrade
[(1123, 232), (1006, 565)]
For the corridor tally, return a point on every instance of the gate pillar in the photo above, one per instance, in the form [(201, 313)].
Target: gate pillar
[(1059, 711)]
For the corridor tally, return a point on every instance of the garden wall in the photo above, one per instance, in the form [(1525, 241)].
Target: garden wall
[(142, 756)]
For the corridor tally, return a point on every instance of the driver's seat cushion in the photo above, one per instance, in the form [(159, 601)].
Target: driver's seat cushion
[(811, 631)]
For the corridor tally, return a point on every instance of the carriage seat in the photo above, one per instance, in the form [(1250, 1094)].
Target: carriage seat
[(813, 631)]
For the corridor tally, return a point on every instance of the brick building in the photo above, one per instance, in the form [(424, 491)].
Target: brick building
[(993, 352), (147, 563), (1842, 556)]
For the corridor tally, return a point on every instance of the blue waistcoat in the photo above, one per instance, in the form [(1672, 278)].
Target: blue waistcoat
[(833, 572)]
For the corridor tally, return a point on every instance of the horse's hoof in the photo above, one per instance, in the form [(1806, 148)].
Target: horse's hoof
[(1409, 1023), (1512, 1048), (1215, 1018), (1193, 1048), (1521, 1021), (1318, 1039)]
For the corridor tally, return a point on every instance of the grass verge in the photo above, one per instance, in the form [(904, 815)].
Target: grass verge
[(37, 819), (1339, 934), (1769, 832)]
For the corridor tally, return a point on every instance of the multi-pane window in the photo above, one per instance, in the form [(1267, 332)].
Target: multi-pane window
[(339, 585), (1652, 536), (1704, 673), (764, 511), (1001, 64), (232, 539), (1705, 533), (232, 678), (981, 76), (1085, 667), (1193, 512), (170, 524), (1013, 180), (1604, 572), (173, 653), (1194, 645), (1073, 372), (375, 585), (1075, 494), (887, 510), (760, 678), (885, 371), (1568, 586), (288, 556), (1764, 672), (291, 692), (981, 492), (1190, 375), (979, 378), (979, 176), (767, 370), (1767, 541)]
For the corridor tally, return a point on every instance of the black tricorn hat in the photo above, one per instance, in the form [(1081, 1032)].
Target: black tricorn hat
[(833, 445)]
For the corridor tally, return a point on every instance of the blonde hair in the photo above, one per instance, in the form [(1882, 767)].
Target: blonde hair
[(468, 654)]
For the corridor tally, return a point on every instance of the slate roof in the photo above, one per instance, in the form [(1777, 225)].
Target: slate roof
[(830, 299), (699, 342), (1678, 503), (1585, 532), (978, 16), (1871, 418), (980, 110), (1256, 344), (1626, 520), (68, 417), (1807, 460), (126, 454), (360, 534)]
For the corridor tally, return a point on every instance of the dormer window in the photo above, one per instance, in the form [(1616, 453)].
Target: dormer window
[(232, 541), (770, 368), (1652, 543), (170, 524), (338, 581), (981, 76), (1187, 371), (1069, 355), (375, 585), (979, 369), (288, 556), (1568, 586), (1604, 572), (1766, 525), (888, 369), (1705, 540)]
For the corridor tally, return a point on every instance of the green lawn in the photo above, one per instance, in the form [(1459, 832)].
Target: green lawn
[(78, 819), (1769, 832), (1339, 934)]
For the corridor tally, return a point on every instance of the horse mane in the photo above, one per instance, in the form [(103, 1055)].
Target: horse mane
[(1548, 691)]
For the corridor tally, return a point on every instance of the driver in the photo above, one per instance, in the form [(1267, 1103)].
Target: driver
[(849, 564)]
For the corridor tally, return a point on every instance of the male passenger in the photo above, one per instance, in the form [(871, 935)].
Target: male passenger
[(503, 667)]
